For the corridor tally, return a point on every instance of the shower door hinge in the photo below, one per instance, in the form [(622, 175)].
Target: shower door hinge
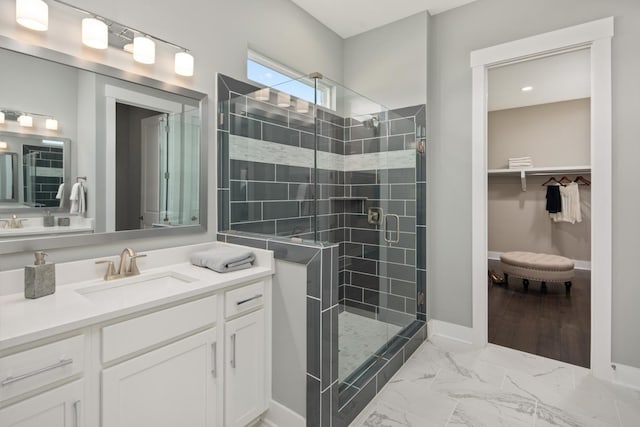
[(420, 147), (166, 176)]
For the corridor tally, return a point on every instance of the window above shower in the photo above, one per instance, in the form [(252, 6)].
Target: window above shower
[(269, 73)]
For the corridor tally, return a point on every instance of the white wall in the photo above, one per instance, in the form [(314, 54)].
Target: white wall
[(218, 34), (389, 64), (453, 35)]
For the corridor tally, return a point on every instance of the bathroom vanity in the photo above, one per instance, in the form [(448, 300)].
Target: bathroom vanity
[(177, 345)]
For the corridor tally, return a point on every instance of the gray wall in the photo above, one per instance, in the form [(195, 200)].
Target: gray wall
[(218, 34), (389, 64), (453, 35)]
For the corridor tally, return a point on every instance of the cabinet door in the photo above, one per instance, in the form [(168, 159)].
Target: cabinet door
[(60, 407), (245, 370), (174, 385)]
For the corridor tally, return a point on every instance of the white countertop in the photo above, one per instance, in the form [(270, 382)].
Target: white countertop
[(25, 320)]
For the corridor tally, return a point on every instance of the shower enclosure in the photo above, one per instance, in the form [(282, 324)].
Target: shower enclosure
[(312, 161)]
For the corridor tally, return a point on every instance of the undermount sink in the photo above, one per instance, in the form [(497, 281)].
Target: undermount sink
[(137, 289)]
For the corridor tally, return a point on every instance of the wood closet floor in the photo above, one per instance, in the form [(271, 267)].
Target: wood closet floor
[(552, 325)]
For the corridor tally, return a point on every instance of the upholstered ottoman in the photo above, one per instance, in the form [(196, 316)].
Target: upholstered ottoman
[(541, 267)]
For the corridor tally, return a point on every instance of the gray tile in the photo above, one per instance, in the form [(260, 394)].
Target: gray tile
[(402, 126), (221, 237), (223, 160), (389, 370), (278, 210), (325, 410), (403, 191), (421, 204), (307, 140), (353, 293), (246, 211), (334, 275), (293, 227), (223, 213), (292, 252), (395, 143), (326, 176), (421, 166), (366, 236), (326, 278), (370, 282), (421, 249), (361, 309), (313, 275), (238, 191), (360, 177), (375, 145), (328, 191), (397, 176), (327, 222), (404, 289), (384, 253), (265, 227), (252, 171), (349, 411), (245, 127), (353, 147), (266, 191), (266, 112), (361, 265), (302, 192), (394, 317), (397, 271), (280, 135), (313, 337), (406, 111), (304, 122), (421, 290), (325, 359), (293, 174), (351, 249), (313, 402), (245, 241)]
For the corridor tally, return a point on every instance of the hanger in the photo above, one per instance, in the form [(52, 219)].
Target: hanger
[(582, 180), (552, 179), (563, 179)]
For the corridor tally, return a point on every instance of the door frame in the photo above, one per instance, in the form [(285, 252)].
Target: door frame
[(595, 36)]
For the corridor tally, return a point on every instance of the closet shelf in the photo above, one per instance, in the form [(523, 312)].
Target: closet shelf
[(549, 170)]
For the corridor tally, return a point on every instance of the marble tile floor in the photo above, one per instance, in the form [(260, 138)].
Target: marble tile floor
[(359, 337), (449, 383)]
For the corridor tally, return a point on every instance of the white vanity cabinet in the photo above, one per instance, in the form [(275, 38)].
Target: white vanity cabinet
[(245, 355), (60, 407), (202, 361)]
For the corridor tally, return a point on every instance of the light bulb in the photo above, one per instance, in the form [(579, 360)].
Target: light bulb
[(32, 14), (95, 33), (263, 94), (51, 124), (284, 100), (184, 64), (25, 120), (144, 50), (3, 145), (128, 47)]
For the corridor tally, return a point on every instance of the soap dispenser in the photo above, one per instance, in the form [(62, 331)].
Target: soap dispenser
[(48, 220), (39, 278)]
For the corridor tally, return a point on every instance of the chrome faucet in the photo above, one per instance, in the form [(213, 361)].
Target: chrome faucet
[(14, 222), (123, 270)]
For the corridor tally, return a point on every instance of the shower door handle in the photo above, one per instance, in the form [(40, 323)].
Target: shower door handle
[(386, 229)]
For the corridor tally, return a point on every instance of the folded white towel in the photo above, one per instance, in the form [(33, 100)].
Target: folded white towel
[(224, 259)]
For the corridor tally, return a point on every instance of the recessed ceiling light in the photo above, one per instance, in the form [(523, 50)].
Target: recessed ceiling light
[(527, 88)]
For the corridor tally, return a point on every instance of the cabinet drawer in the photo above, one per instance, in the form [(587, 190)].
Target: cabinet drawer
[(244, 299), (146, 331), (30, 369)]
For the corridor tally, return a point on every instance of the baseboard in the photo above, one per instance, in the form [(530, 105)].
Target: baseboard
[(579, 264), (279, 415), (449, 330), (627, 376)]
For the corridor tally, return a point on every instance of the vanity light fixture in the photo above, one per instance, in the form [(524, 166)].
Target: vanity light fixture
[(95, 33), (144, 50), (25, 120), (527, 88), (51, 124), (284, 100), (302, 106), (263, 94), (3, 145), (1, 117), (128, 47), (184, 64), (32, 14)]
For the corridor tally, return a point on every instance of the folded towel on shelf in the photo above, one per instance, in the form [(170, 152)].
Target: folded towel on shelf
[(520, 162), (224, 260)]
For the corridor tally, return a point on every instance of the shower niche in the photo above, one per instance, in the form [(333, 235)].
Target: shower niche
[(333, 181)]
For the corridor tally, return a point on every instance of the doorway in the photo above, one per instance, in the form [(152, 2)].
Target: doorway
[(596, 37), (538, 146)]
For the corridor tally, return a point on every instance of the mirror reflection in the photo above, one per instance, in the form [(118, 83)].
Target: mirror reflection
[(90, 153)]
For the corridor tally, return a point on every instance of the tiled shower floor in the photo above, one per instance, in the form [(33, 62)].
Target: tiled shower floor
[(358, 338)]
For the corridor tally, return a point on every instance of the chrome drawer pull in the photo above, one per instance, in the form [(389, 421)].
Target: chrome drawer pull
[(76, 413), (60, 364), (248, 299), (233, 350), (214, 359)]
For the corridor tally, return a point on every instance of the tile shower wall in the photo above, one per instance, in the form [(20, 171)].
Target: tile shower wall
[(270, 189)]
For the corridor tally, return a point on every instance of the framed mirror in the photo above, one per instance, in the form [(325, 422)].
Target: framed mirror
[(123, 160)]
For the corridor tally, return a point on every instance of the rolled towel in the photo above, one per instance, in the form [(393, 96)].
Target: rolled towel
[(224, 260)]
